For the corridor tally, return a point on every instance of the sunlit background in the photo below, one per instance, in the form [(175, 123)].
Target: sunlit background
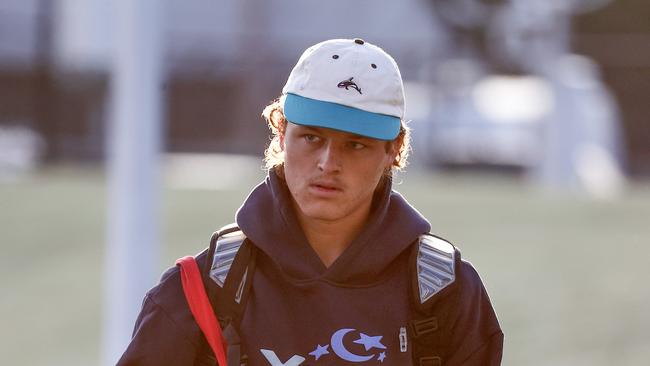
[(131, 130)]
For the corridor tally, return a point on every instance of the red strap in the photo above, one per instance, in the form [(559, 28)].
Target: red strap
[(200, 306)]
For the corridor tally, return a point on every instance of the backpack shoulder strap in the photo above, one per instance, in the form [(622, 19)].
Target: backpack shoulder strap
[(228, 277), (224, 247), (433, 266)]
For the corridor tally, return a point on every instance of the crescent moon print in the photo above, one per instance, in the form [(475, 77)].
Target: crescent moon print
[(341, 351)]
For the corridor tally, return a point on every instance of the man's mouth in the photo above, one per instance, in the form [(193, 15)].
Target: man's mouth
[(326, 187)]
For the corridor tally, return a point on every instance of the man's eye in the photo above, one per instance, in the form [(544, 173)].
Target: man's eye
[(311, 138), (357, 145)]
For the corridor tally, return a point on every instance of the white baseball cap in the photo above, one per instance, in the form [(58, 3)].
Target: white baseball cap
[(347, 85)]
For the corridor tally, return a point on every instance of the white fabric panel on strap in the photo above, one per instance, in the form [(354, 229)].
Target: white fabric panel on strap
[(227, 247), (435, 264)]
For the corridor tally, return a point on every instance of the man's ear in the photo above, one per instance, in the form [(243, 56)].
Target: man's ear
[(281, 137), (395, 148)]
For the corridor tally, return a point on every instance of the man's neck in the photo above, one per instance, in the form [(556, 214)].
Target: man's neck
[(329, 239)]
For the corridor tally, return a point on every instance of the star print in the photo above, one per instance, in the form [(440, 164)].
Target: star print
[(381, 357), (370, 342), (319, 351)]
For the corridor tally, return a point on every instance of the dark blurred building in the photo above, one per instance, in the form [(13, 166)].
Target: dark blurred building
[(224, 61), (618, 38)]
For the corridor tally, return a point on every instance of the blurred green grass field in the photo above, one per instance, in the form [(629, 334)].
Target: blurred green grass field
[(567, 275)]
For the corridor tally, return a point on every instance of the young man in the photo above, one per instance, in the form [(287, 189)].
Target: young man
[(327, 265)]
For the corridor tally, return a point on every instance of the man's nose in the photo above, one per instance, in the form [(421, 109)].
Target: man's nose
[(330, 158)]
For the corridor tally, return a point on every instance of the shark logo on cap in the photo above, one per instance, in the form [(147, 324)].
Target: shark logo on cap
[(349, 84)]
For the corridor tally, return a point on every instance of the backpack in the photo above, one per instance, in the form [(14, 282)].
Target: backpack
[(224, 284)]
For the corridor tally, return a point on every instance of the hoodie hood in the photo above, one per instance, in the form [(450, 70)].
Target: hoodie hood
[(268, 219)]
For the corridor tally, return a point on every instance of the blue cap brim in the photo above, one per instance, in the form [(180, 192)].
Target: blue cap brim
[(317, 113)]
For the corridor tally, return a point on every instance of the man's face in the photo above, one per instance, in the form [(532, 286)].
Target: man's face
[(332, 175)]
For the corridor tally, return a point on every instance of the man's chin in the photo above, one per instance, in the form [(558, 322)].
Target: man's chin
[(329, 212)]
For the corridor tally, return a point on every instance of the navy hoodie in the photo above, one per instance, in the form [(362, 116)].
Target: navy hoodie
[(300, 312)]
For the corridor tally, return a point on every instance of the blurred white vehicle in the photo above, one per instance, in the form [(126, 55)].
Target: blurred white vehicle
[(478, 119)]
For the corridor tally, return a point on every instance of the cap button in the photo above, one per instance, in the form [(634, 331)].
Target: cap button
[(359, 41)]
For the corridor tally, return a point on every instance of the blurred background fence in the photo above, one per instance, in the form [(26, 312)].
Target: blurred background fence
[(224, 60)]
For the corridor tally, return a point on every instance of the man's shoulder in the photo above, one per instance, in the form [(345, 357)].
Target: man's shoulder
[(473, 296), (444, 251), (169, 289), (441, 269), (469, 278)]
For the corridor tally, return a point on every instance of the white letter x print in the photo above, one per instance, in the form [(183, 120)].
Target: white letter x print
[(275, 361)]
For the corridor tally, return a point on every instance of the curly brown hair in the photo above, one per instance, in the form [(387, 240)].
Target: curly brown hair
[(277, 123)]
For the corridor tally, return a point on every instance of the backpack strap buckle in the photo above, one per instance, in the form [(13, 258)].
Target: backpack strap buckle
[(430, 361), (421, 327)]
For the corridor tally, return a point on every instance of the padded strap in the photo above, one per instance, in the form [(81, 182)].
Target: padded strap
[(234, 348), (200, 306)]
